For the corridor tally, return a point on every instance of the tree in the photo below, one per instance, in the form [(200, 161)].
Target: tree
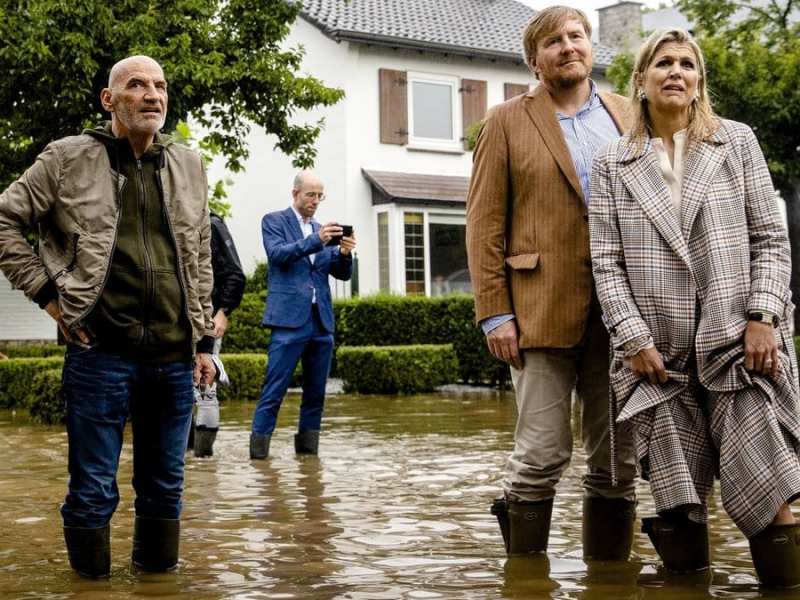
[(223, 59)]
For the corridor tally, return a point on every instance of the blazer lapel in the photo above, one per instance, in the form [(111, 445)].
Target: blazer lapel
[(642, 177), (291, 222), (614, 109), (542, 111), (703, 161)]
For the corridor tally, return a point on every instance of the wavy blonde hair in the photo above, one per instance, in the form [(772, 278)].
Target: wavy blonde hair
[(703, 122)]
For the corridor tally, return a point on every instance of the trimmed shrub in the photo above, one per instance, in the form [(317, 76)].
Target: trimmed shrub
[(245, 333), (45, 402), (385, 320), (16, 377), (256, 282), (31, 350), (396, 369), (246, 372)]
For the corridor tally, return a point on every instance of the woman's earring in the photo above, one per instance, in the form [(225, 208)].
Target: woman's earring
[(642, 95)]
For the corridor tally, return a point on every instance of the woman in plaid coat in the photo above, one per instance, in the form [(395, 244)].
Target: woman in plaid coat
[(692, 266)]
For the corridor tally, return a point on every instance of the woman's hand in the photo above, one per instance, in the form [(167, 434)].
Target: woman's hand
[(648, 364), (760, 348)]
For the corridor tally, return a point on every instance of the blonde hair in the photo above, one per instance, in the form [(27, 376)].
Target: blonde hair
[(703, 122), (545, 22)]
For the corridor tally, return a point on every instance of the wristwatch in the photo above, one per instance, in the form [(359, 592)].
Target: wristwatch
[(764, 317)]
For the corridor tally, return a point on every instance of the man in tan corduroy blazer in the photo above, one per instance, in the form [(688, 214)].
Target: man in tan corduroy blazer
[(528, 249)]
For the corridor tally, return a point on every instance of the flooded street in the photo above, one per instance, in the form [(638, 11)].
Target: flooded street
[(396, 506)]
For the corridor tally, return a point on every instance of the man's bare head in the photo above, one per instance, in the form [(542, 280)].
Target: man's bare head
[(307, 192), (136, 97)]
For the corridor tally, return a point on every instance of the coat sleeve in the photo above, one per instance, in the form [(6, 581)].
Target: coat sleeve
[(341, 265), (487, 220), (205, 284), (229, 279), (770, 258), (23, 205), (620, 312), (281, 252)]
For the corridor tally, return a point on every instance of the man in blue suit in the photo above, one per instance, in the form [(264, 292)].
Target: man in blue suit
[(299, 311)]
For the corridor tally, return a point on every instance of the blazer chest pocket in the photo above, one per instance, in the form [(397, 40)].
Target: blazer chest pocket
[(523, 262)]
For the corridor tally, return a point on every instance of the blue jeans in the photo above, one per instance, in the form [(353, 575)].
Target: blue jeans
[(314, 345), (101, 390)]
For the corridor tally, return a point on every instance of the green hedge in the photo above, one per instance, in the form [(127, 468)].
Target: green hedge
[(44, 400), (31, 350), (396, 369), (246, 372), (385, 320), (245, 333), (16, 377)]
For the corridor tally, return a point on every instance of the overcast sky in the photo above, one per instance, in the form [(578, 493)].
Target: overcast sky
[(588, 6)]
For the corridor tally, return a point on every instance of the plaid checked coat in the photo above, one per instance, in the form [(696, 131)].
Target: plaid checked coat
[(690, 284)]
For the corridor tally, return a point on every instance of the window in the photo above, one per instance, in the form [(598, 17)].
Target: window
[(414, 234), (434, 112), (383, 251), (448, 255)]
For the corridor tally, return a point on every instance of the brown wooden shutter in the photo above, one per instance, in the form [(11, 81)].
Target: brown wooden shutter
[(394, 106), (473, 104), (514, 89)]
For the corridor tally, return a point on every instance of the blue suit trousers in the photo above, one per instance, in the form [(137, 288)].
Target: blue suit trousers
[(312, 344)]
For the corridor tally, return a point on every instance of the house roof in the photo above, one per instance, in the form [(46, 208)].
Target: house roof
[(477, 28), (417, 188)]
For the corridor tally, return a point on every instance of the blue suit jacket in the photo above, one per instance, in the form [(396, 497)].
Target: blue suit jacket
[(292, 276)]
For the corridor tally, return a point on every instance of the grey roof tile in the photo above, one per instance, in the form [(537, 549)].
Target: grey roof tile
[(486, 28)]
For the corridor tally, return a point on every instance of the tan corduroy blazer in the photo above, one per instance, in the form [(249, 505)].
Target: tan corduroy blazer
[(527, 223)]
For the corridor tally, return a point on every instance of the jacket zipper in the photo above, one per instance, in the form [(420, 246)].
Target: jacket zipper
[(149, 285), (71, 265)]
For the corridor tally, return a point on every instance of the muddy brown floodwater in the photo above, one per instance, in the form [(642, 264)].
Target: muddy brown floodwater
[(396, 506)]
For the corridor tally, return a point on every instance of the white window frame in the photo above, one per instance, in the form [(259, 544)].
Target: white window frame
[(455, 144), (397, 218)]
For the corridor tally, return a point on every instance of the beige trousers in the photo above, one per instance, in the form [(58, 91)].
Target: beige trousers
[(543, 434)]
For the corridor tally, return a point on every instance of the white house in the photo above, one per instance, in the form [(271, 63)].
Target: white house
[(416, 74)]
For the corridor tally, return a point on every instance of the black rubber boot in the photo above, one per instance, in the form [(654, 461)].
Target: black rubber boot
[(204, 440), (681, 543), (155, 544), (89, 550), (608, 528), (306, 442), (776, 556), (259, 445), (525, 526)]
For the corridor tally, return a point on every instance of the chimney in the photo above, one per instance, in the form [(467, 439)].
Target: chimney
[(621, 26)]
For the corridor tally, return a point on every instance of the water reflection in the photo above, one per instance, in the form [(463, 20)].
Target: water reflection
[(396, 506)]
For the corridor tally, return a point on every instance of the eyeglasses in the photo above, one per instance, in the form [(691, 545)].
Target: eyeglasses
[(311, 195)]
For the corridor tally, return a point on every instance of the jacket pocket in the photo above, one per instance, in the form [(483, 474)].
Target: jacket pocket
[(523, 262)]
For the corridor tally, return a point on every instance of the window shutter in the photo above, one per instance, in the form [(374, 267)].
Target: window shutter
[(515, 89), (473, 104), (394, 106)]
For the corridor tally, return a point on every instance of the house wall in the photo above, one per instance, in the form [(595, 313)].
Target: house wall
[(22, 319), (349, 142)]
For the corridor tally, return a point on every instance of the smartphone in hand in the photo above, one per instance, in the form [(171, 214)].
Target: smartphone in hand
[(347, 231)]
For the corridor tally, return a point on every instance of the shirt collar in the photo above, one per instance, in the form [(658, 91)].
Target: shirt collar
[(591, 102), (299, 216)]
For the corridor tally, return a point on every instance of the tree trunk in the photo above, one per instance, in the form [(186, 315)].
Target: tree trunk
[(791, 194)]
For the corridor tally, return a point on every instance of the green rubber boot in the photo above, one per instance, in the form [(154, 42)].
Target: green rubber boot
[(155, 544), (608, 528), (89, 550), (776, 555), (306, 442), (525, 525), (681, 543), (259, 445)]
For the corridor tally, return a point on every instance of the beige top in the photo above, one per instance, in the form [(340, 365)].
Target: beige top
[(673, 172)]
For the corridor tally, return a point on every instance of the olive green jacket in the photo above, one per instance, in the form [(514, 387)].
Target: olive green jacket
[(71, 194)]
